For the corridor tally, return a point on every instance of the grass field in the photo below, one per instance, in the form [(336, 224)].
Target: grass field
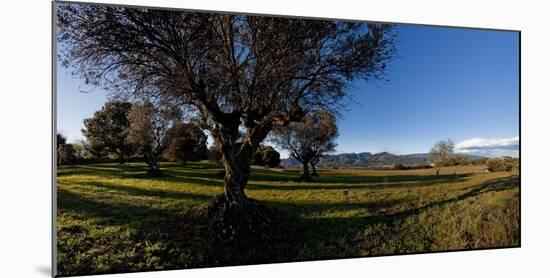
[(113, 218)]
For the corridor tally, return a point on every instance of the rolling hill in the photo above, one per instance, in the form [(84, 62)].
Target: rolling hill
[(366, 159)]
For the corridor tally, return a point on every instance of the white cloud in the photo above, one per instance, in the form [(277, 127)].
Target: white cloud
[(483, 143), (490, 147)]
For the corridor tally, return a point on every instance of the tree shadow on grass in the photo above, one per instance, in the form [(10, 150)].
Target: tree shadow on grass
[(110, 213), (109, 170), (211, 176), (331, 230), (378, 182), (297, 209), (193, 180), (495, 185), (137, 191), (386, 208), (164, 225), (179, 245), (390, 183)]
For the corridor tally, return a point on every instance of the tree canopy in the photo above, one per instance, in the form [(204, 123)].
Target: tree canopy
[(106, 129), (442, 152), (148, 125), (309, 139), (185, 142), (266, 156)]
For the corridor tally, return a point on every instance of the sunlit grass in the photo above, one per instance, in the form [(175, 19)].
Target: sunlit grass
[(113, 218)]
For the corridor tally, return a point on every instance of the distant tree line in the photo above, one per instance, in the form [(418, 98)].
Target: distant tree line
[(442, 155), (505, 163), (145, 131)]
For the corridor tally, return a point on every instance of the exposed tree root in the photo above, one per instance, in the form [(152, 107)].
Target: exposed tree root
[(237, 223)]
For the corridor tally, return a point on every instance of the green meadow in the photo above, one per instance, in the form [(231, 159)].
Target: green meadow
[(113, 217)]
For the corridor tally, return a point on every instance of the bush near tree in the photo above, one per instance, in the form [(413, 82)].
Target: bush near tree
[(502, 164), (266, 156), (185, 142)]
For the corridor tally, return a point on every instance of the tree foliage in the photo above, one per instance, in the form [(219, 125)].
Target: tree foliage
[(185, 142), (82, 150), (266, 156), (309, 139), (441, 153), (148, 126), (106, 129), (65, 154), (61, 139), (505, 163)]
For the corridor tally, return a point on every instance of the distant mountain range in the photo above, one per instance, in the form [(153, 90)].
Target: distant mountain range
[(367, 159)]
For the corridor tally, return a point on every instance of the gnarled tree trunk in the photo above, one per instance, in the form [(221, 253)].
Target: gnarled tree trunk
[(233, 216), (237, 172)]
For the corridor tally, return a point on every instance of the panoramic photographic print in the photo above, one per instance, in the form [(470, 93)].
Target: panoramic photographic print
[(192, 139)]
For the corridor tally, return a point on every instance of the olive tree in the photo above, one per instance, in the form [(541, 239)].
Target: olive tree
[(244, 74), (147, 129), (309, 139), (441, 153)]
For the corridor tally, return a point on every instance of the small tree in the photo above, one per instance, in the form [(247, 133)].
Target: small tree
[(148, 126), (309, 139), (185, 142), (105, 130), (266, 156), (441, 153)]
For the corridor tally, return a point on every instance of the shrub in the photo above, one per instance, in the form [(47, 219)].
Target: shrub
[(502, 164), (266, 156), (403, 167), (185, 142), (399, 167)]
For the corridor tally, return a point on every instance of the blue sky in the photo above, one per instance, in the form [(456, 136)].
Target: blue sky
[(461, 84)]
